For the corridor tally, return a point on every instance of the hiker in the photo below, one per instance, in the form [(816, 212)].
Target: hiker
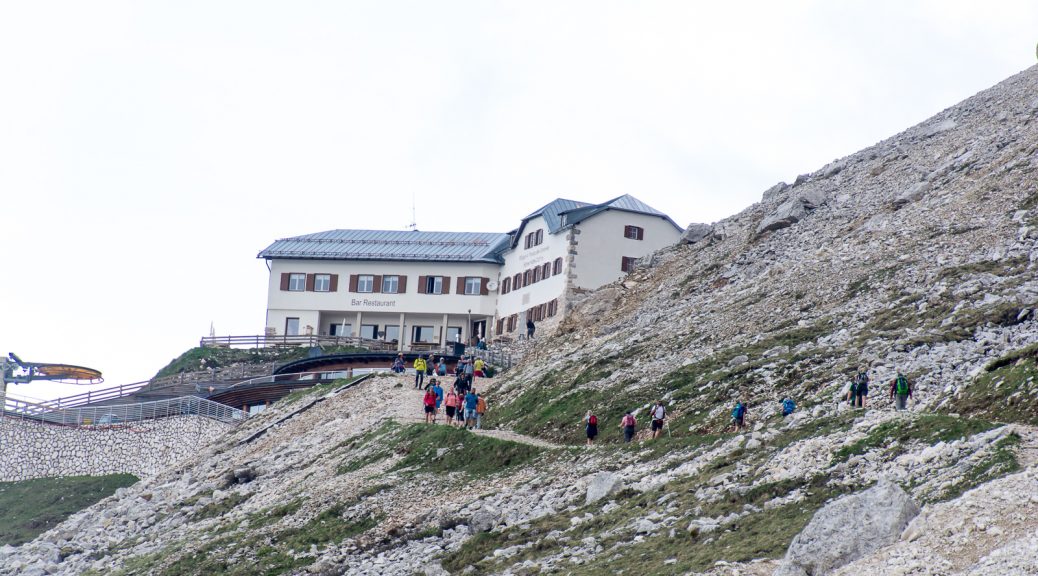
[(900, 391), (478, 368), (419, 371), (628, 423), (788, 406), (469, 372), (481, 409), (860, 388), (430, 366), (471, 401), (398, 364), (530, 327), (658, 414), (439, 397), (450, 406), (739, 415), (429, 401), (441, 368), (591, 424)]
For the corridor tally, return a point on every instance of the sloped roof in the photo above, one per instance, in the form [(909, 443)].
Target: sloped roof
[(625, 203), (551, 212), (398, 245)]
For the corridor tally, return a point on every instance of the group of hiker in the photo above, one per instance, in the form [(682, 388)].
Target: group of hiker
[(858, 391), (462, 405)]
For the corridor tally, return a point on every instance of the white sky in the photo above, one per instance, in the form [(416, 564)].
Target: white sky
[(149, 150)]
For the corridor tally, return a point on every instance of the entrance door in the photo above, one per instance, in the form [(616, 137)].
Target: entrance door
[(479, 330)]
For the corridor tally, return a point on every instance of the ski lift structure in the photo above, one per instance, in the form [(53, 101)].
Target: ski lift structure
[(14, 370)]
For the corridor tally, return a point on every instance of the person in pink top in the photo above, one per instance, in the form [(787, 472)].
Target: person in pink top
[(429, 401), (451, 403)]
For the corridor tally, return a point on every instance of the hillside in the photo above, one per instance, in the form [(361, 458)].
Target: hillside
[(917, 254)]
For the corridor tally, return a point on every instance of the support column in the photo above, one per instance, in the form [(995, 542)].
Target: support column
[(403, 334), (356, 327), (443, 331)]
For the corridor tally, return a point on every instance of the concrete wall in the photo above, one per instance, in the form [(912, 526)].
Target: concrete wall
[(33, 450), (521, 259)]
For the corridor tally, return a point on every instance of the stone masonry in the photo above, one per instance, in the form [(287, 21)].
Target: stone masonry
[(31, 449)]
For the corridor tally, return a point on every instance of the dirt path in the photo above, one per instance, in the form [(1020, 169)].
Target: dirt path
[(403, 403)]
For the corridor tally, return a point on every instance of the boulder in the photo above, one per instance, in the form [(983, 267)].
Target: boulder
[(696, 232), (850, 528), (800, 204), (738, 360), (602, 484), (484, 520), (912, 194)]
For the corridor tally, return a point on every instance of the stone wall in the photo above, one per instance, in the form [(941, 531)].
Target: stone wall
[(31, 449)]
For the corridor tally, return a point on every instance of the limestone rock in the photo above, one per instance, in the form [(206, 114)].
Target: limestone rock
[(804, 201), (850, 528), (696, 232), (601, 485)]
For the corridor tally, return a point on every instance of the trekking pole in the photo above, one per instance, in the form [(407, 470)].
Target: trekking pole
[(669, 433)]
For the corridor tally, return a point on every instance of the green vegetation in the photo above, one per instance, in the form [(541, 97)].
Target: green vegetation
[(31, 507), (896, 436), (436, 448), (220, 507), (1005, 392), (318, 390), (1001, 462)]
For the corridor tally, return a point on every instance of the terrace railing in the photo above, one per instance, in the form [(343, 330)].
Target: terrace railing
[(119, 414)]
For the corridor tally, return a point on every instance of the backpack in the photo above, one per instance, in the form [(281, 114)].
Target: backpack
[(901, 385), (628, 420), (592, 420), (788, 406)]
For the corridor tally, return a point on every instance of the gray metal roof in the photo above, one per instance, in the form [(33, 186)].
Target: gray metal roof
[(397, 245), (551, 212), (625, 203)]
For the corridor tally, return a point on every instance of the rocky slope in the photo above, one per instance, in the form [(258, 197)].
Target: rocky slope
[(917, 254)]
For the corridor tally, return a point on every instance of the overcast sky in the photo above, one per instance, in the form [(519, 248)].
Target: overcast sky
[(149, 150)]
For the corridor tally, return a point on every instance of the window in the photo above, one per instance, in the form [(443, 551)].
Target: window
[(512, 320), (517, 281), (546, 270), (527, 277), (538, 238), (434, 285), (537, 274), (472, 285), (296, 282), (291, 326), (369, 331), (553, 307), (627, 263), (423, 334), (454, 333), (499, 327), (340, 329), (393, 333), (506, 287), (634, 232), (365, 283), (557, 269), (390, 284), (322, 282), (534, 239)]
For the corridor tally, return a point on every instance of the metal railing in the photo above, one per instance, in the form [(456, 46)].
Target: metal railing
[(120, 414), (500, 359), (308, 376), (312, 341)]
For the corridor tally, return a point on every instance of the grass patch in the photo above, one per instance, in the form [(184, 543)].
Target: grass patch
[(31, 507), (1001, 462), (197, 359), (220, 507), (1005, 393), (897, 434)]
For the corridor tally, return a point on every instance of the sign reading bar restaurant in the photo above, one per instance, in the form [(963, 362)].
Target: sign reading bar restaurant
[(373, 303)]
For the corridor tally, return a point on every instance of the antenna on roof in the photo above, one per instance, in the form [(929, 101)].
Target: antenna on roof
[(414, 222)]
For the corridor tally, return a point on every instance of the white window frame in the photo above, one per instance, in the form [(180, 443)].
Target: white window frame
[(365, 281), (473, 285), (434, 285), (322, 282), (391, 281), (296, 282)]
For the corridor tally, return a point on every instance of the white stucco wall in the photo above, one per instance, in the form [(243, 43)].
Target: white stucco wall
[(521, 259), (601, 245)]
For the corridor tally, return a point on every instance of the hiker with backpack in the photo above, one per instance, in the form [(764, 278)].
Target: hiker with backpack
[(481, 409), (419, 372), (438, 391), (450, 406), (591, 427), (628, 423), (859, 388), (429, 401), (471, 400), (398, 364), (658, 415), (788, 406), (900, 391), (739, 416)]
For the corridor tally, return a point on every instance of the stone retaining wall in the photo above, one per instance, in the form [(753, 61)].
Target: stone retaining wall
[(31, 449)]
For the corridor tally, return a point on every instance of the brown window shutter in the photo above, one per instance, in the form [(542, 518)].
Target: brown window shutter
[(483, 291), (310, 282), (641, 233), (353, 282), (461, 285), (402, 285), (376, 284), (422, 282), (446, 284), (333, 285), (284, 280)]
